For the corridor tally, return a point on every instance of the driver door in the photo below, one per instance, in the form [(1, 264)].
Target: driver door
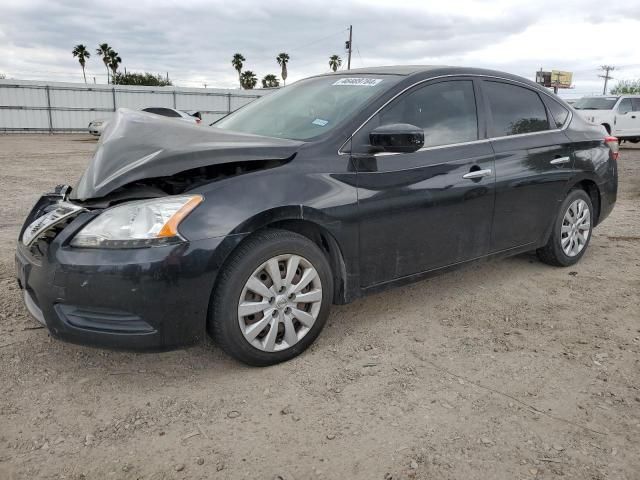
[(432, 208)]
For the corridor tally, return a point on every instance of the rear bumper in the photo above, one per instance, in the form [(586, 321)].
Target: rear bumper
[(137, 299)]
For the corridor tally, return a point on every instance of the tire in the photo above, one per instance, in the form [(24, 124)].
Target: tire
[(283, 328), (567, 234)]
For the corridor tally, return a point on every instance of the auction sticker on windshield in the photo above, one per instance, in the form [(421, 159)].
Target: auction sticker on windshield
[(358, 82)]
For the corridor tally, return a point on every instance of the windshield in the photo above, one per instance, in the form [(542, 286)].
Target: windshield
[(307, 108), (595, 103)]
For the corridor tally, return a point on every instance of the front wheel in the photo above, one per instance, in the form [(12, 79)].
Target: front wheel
[(272, 298), (571, 231)]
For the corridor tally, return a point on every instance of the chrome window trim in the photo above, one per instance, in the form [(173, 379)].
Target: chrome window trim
[(480, 140)]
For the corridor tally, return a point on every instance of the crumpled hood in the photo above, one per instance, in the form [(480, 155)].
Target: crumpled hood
[(138, 145)]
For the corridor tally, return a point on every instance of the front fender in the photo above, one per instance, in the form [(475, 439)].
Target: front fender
[(243, 204), (239, 206)]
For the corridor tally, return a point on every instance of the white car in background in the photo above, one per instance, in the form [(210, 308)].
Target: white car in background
[(96, 127), (618, 114)]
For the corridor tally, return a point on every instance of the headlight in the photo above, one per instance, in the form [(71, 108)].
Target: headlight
[(144, 223)]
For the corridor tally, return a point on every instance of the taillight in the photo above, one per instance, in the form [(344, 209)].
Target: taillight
[(612, 142)]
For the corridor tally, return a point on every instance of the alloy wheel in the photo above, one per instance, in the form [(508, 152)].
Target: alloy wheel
[(576, 227), (280, 302)]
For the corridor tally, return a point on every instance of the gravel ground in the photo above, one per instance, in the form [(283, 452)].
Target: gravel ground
[(505, 370)]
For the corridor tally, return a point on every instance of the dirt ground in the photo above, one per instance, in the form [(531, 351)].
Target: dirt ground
[(505, 370)]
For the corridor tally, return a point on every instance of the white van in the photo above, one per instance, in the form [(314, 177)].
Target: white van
[(620, 115)]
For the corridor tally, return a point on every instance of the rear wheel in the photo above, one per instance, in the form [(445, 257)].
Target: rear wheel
[(272, 298), (571, 231)]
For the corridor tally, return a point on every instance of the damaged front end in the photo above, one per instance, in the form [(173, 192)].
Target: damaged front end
[(51, 213), (105, 263), (142, 156), (154, 156)]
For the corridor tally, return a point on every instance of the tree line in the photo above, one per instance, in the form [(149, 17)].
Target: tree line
[(248, 79), (110, 58), (112, 61), (626, 87)]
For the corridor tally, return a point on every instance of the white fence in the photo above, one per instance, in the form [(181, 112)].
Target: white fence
[(31, 106)]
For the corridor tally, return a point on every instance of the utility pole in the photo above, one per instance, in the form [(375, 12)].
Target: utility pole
[(606, 76), (348, 45)]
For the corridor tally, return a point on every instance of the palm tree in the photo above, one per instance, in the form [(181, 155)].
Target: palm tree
[(103, 50), (236, 62), (282, 60), (270, 81), (334, 62), (114, 63), (82, 53), (248, 79)]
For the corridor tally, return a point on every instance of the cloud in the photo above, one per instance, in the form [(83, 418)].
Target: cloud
[(194, 40)]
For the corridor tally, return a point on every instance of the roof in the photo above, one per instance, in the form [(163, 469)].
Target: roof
[(389, 70), (426, 71)]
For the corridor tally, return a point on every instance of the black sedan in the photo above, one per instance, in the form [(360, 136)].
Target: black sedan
[(323, 191)]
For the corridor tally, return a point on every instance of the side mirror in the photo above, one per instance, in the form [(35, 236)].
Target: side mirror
[(397, 138)]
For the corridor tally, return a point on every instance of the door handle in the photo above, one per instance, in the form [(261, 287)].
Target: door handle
[(560, 160), (477, 174)]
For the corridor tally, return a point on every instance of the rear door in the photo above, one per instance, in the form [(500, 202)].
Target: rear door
[(424, 210), (533, 160)]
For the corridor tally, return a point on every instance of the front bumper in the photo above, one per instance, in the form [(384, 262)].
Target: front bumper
[(142, 299)]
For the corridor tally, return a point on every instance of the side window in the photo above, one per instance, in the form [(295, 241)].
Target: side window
[(445, 110), (625, 105), (636, 104), (514, 109), (559, 114)]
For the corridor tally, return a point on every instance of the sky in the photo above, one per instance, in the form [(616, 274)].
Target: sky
[(195, 40)]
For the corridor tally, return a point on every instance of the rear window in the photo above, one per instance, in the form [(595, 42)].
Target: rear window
[(559, 114), (595, 103), (165, 112), (515, 110)]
